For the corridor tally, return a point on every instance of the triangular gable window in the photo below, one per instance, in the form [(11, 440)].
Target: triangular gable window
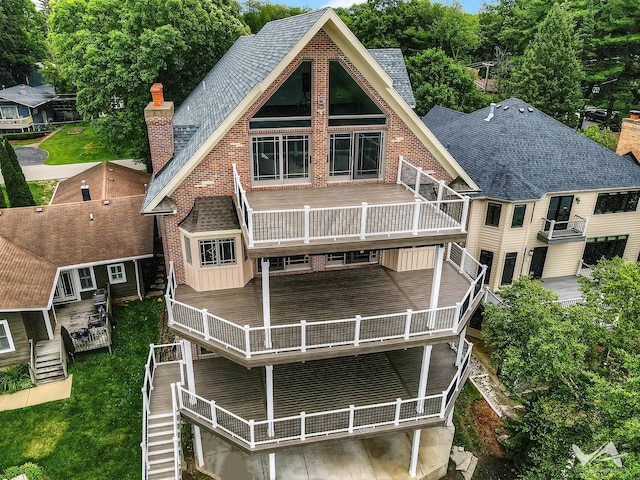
[(290, 105), (348, 103)]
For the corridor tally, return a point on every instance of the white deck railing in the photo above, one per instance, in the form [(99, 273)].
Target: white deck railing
[(354, 331), (553, 230), (153, 360), (446, 211), (17, 122), (353, 419)]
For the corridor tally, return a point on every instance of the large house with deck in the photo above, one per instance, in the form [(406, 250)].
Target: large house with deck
[(551, 202), (55, 258), (317, 284)]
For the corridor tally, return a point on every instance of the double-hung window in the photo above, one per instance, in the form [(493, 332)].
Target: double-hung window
[(117, 273), (280, 158), (493, 214), (219, 251), (87, 279), (6, 342)]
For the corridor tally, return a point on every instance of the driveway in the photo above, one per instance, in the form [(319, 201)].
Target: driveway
[(30, 156)]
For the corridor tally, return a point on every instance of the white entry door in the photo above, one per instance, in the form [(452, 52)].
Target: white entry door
[(66, 290)]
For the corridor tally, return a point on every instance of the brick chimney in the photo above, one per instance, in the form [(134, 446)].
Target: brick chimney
[(629, 140), (159, 117)]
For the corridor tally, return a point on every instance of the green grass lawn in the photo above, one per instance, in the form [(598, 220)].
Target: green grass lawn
[(77, 143), (42, 191), (96, 433)]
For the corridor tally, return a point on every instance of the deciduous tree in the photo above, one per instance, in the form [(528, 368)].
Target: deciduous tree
[(256, 13)]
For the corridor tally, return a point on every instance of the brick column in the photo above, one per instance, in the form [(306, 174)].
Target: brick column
[(320, 122), (629, 140)]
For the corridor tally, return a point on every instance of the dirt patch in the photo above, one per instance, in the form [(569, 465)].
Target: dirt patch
[(488, 426), (75, 131)]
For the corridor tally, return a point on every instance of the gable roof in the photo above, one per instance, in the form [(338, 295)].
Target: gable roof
[(392, 61), (105, 180), (246, 71), (27, 95), (522, 153)]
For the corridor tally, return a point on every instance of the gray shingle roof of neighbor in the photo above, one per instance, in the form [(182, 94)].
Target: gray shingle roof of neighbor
[(521, 155), (27, 95), (248, 62)]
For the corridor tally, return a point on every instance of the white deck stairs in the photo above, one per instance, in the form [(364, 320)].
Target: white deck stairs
[(48, 366), (160, 447)]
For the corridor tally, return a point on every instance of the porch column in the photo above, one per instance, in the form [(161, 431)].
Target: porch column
[(269, 376), (437, 277), (47, 323), (188, 362), (415, 448), (272, 466), (424, 376), (460, 346), (197, 445), (266, 303), (135, 267)]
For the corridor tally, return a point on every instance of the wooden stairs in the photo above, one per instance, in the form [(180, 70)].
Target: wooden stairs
[(49, 365), (160, 447)]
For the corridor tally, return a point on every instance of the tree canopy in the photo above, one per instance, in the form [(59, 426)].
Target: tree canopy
[(255, 14), (112, 51), (575, 370), (22, 40)]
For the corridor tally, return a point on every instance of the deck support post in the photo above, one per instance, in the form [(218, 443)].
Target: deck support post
[(188, 361), (272, 466), (269, 377), (460, 346), (47, 323), (415, 448), (437, 277), (197, 444), (137, 270), (450, 417), (424, 377), (266, 303)]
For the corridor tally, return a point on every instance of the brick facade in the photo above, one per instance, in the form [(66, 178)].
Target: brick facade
[(160, 132), (629, 140), (213, 176)]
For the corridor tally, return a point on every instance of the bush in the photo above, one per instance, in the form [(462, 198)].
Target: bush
[(25, 135), (14, 378), (31, 470)]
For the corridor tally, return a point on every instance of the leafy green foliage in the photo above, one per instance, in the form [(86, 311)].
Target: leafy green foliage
[(3, 201), (22, 40), (18, 191), (604, 136), (96, 432), (14, 378), (438, 80), (256, 13), (576, 371), (31, 470), (548, 75), (111, 51)]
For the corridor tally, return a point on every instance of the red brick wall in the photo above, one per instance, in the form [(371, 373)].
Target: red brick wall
[(213, 176), (160, 132)]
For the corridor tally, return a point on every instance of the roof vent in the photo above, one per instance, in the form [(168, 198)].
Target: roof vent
[(91, 217), (498, 105), (110, 179), (110, 169), (106, 202), (505, 108), (521, 110), (204, 85), (530, 110), (39, 210), (491, 113)]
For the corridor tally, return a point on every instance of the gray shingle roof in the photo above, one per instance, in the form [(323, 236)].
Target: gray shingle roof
[(249, 61), (392, 61), (523, 155), (27, 95), (211, 214)]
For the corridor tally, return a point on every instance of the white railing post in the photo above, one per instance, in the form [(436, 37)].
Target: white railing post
[(352, 410), (252, 434), (247, 341), (416, 189), (440, 190), (363, 221), (168, 299), (584, 227), (303, 335), (302, 426), (552, 225), (407, 324), (356, 336), (579, 268), (396, 420), (250, 224), (462, 260), (214, 415), (465, 213), (458, 317), (448, 249), (416, 216), (205, 324), (443, 405), (460, 347), (307, 215), (400, 162)]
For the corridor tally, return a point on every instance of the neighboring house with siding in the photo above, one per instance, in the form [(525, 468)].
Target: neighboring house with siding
[(23, 106), (550, 199), (315, 280), (55, 256)]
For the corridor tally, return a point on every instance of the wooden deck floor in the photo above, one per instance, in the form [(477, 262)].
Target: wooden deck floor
[(330, 295), (74, 315), (312, 386)]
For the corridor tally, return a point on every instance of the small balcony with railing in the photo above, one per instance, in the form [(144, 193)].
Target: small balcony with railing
[(21, 123), (552, 231), (334, 313), (351, 217)]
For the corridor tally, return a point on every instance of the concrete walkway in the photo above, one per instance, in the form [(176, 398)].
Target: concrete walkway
[(48, 392), (61, 172)]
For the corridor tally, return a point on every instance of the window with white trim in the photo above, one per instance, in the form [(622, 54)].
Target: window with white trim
[(116, 273), (280, 158), (87, 278), (219, 251), (6, 341), (187, 250), (9, 113)]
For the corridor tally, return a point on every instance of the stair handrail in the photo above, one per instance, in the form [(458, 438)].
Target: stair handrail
[(176, 433), (63, 357), (32, 361)]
